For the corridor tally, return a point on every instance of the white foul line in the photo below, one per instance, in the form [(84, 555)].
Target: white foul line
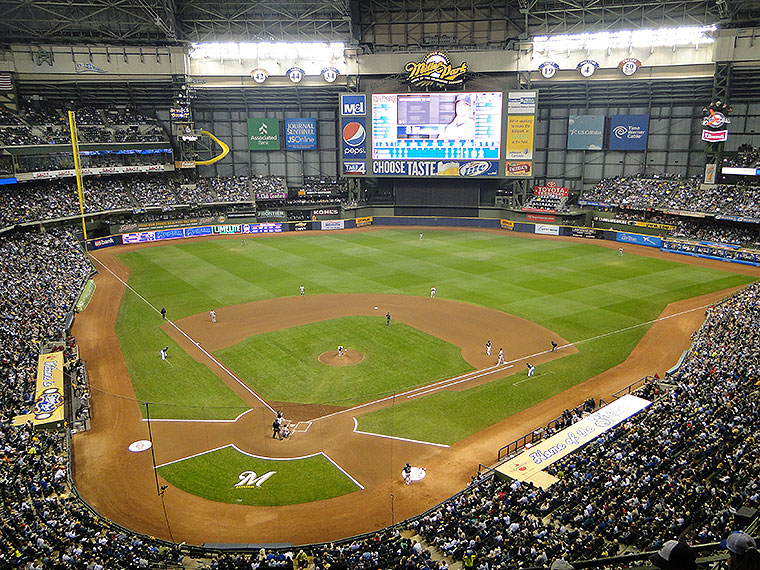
[(183, 333), (153, 420)]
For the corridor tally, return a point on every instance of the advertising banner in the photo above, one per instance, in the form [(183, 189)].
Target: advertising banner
[(551, 190), (520, 137), (325, 212), (590, 233), (506, 224), (435, 168), (353, 138), (522, 102), (639, 239), (629, 132), (546, 452), (263, 134), (355, 168), (519, 169), (714, 136), (547, 230), (331, 225), (585, 132), (366, 221), (301, 226), (48, 402), (300, 134), (100, 243), (269, 195), (353, 104), (540, 218)]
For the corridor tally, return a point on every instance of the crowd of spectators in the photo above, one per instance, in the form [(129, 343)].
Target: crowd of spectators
[(746, 156), (51, 199), (640, 191), (748, 236), (40, 124), (645, 192)]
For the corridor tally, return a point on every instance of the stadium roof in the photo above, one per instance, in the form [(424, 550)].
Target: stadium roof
[(385, 25)]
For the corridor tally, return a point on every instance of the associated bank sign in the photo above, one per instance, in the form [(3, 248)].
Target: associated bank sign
[(263, 134)]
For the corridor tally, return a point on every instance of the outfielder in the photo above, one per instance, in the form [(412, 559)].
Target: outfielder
[(432, 292)]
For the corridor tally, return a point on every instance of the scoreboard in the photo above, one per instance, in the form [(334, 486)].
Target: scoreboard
[(454, 134)]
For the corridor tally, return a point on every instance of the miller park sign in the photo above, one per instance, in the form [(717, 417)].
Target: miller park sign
[(435, 70)]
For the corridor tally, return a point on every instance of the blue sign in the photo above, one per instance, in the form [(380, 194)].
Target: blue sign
[(353, 105), (355, 168), (629, 132), (639, 239), (200, 231), (354, 138), (300, 134), (585, 132), (8, 181)]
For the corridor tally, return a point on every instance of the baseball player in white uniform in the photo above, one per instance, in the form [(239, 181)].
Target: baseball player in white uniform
[(488, 347), (432, 292), (531, 369), (501, 357), (212, 314)]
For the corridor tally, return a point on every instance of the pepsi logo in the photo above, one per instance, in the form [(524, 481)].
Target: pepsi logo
[(354, 134)]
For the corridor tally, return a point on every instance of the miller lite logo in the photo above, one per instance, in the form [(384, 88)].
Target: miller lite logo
[(259, 75), (295, 74)]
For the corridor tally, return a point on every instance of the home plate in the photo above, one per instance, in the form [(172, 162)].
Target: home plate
[(417, 474), (142, 445)]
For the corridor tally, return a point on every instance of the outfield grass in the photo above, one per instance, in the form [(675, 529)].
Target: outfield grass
[(283, 365), (577, 289), (213, 476)]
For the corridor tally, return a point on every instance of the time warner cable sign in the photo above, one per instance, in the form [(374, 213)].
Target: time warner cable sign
[(301, 134), (629, 132)]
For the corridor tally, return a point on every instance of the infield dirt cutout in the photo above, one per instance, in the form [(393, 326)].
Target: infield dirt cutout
[(122, 485)]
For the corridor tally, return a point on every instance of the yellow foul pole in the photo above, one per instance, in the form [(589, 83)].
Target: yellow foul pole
[(77, 169)]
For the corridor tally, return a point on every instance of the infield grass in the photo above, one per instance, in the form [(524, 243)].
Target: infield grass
[(213, 476), (283, 365), (577, 289)]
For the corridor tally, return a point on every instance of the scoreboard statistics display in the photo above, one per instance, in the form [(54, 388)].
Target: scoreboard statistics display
[(458, 133)]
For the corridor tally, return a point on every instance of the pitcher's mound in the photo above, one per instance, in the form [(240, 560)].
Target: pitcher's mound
[(349, 357)]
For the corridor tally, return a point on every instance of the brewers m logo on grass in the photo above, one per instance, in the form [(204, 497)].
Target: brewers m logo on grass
[(249, 480), (435, 70)]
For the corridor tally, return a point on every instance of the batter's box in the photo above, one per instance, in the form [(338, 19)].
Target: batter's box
[(302, 427)]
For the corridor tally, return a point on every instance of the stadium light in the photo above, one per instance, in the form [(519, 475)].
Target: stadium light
[(626, 39), (312, 56)]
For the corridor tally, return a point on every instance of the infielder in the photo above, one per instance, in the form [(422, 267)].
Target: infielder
[(302, 289), (212, 314), (531, 369), (488, 347), (163, 352), (340, 350), (432, 292), (501, 357)]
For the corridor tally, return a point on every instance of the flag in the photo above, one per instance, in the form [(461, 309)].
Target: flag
[(5, 82)]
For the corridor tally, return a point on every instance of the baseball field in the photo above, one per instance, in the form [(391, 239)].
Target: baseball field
[(418, 386)]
